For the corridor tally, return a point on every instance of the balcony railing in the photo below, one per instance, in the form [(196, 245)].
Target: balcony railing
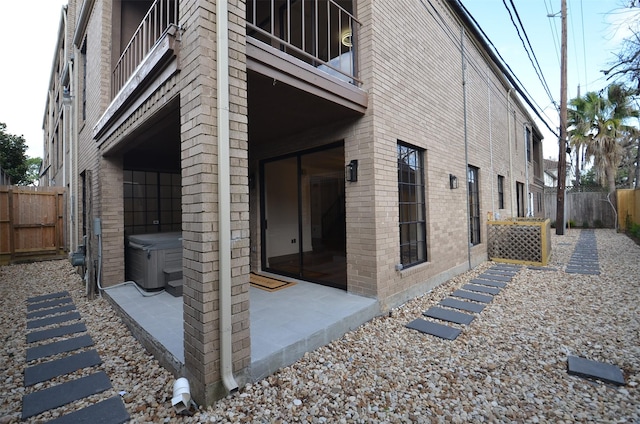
[(162, 15), (320, 32)]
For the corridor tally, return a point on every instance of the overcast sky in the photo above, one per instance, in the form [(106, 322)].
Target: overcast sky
[(31, 27)]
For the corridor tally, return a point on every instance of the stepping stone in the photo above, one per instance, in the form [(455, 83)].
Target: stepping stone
[(53, 320), (59, 347), (481, 289), (472, 296), (593, 369), (48, 304), (68, 364), (48, 296), (507, 267), (510, 272), (497, 277), (447, 315), (581, 271), (56, 396), (110, 411), (45, 312), (489, 283), (462, 305), (435, 329), (50, 333)]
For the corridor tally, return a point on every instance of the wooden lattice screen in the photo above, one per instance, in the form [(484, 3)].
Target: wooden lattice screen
[(521, 241)]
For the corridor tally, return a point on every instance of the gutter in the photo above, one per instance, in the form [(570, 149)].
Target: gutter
[(224, 198), (466, 142)]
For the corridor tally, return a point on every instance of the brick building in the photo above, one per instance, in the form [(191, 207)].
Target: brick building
[(355, 144)]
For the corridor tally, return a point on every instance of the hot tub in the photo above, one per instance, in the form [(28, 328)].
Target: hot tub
[(149, 256)]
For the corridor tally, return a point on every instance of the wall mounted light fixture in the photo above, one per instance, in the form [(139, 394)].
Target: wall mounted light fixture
[(453, 181), (351, 171)]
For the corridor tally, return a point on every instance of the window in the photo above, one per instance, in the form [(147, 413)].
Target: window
[(411, 202), (500, 192), (474, 205)]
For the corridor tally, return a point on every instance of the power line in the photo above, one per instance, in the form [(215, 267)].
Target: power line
[(534, 61)]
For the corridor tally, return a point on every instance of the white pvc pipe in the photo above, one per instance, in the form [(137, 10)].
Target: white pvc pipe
[(224, 198)]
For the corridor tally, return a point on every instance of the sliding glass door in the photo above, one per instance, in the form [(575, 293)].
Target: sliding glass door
[(303, 216)]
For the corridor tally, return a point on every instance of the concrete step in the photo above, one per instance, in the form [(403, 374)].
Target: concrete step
[(174, 288)]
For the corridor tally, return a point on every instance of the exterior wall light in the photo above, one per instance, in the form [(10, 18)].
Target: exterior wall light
[(345, 38), (351, 171), (453, 181)]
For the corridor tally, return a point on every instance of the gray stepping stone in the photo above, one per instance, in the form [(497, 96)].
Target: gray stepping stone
[(52, 320), (448, 315), (435, 329), (462, 305), (507, 267), (68, 364), (48, 304), (48, 296), (51, 311), (489, 283), (59, 347), (56, 396), (593, 369), (581, 271), (504, 278), (472, 296), (481, 289), (110, 411), (50, 333)]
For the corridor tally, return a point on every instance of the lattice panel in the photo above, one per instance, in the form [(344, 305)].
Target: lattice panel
[(519, 241)]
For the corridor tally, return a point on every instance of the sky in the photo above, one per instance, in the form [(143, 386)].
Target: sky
[(31, 30), (594, 37), (595, 30)]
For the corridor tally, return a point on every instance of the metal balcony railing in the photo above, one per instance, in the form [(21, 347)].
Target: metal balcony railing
[(162, 15), (320, 32)]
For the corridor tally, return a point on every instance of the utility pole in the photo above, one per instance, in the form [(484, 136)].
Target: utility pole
[(562, 142)]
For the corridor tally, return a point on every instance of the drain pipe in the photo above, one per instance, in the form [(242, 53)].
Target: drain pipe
[(224, 198), (493, 199), (466, 142), (510, 141)]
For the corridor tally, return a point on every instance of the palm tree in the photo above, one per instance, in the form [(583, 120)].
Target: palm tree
[(581, 115), (598, 122)]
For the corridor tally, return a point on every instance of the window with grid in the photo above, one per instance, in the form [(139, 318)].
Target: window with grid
[(500, 192), (411, 203), (474, 205)]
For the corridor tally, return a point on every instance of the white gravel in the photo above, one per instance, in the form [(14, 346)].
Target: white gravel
[(509, 365)]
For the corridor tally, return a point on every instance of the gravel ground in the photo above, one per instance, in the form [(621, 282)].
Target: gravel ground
[(509, 365)]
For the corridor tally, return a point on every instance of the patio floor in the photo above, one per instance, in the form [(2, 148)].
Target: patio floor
[(284, 324)]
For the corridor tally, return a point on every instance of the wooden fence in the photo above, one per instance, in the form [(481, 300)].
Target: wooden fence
[(32, 221), (628, 207), (590, 208)]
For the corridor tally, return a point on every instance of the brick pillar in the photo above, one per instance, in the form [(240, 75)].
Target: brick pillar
[(110, 181), (200, 197)]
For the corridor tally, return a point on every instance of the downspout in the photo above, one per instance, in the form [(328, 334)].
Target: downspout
[(510, 141), (526, 171), (224, 197), (466, 143), (493, 200)]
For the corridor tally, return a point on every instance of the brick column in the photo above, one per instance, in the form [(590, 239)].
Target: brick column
[(200, 197)]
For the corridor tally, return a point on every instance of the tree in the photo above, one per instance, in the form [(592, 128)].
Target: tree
[(12, 156), (627, 64), (598, 121), (33, 170)]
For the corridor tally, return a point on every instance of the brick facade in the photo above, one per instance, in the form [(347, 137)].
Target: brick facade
[(429, 85)]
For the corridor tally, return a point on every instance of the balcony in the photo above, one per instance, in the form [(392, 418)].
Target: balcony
[(302, 66), (147, 58)]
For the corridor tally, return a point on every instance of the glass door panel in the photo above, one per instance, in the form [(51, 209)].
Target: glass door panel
[(281, 217)]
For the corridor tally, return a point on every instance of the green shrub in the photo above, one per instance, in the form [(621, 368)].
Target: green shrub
[(585, 224), (598, 223), (571, 224), (635, 230)]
